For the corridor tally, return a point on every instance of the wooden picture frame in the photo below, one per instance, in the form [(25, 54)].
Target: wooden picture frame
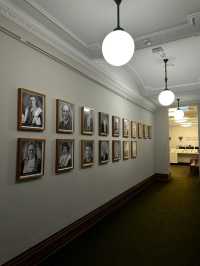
[(133, 149), (104, 151), (87, 120), (149, 132), (115, 126), (145, 131), (31, 110), (87, 153), (64, 117), (103, 124), (126, 150), (140, 130), (64, 155), (116, 150), (134, 129), (30, 158), (126, 128)]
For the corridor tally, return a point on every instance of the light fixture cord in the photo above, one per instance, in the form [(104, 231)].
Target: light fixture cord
[(178, 100), (166, 79), (118, 16), (118, 2)]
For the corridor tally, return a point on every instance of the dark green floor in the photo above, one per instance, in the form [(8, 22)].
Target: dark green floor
[(161, 226)]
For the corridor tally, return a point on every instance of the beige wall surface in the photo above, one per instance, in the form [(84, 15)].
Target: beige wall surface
[(189, 134), (32, 211)]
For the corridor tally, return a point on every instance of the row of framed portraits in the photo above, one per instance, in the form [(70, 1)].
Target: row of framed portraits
[(31, 116), (31, 155)]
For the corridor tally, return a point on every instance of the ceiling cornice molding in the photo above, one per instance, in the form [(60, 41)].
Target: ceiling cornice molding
[(72, 57), (71, 36), (137, 79)]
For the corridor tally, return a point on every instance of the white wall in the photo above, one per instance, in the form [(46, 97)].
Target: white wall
[(161, 141), (189, 134), (32, 211)]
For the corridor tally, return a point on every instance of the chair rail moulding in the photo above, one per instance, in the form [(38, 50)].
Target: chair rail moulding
[(36, 36)]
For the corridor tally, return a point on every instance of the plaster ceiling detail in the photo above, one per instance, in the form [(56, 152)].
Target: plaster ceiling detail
[(78, 28)]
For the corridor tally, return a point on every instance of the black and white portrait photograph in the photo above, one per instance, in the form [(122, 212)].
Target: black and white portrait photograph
[(126, 127), (30, 158), (140, 130), (64, 155), (103, 124), (115, 126), (133, 129), (145, 131), (126, 150), (116, 150), (133, 149), (150, 132), (31, 110), (103, 151), (87, 153), (87, 120), (64, 117)]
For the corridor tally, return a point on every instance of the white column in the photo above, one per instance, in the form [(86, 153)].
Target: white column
[(198, 111), (161, 141)]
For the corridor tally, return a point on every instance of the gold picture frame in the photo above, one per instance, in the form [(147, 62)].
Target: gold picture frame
[(87, 153), (126, 127), (30, 158), (64, 155), (87, 120), (31, 110), (116, 150), (64, 117)]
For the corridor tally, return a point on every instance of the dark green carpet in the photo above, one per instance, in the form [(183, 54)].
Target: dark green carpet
[(161, 226)]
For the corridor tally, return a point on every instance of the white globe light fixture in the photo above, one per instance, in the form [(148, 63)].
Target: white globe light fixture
[(118, 46), (166, 97), (179, 114)]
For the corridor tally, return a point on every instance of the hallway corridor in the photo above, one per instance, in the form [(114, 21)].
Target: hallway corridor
[(161, 227)]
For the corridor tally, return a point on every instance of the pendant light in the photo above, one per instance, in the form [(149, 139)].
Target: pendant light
[(118, 46), (166, 97), (179, 114)]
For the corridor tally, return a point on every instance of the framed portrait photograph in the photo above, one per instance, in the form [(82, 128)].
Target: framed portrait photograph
[(87, 121), (31, 110), (116, 150), (103, 151), (103, 124), (126, 126), (150, 132), (64, 117), (133, 149), (87, 153), (145, 131), (115, 126), (126, 150), (140, 130), (133, 129), (30, 158), (64, 155)]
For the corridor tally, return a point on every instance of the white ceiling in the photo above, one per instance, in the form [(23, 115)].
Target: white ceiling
[(166, 23), (90, 20)]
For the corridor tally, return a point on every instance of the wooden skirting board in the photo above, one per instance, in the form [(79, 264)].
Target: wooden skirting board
[(36, 254)]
